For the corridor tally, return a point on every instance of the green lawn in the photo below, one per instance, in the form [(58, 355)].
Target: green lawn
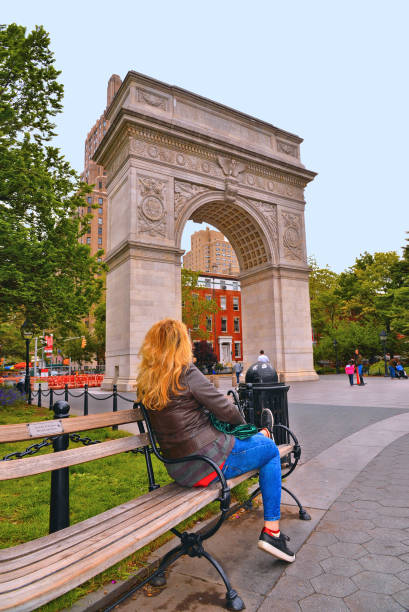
[(94, 487)]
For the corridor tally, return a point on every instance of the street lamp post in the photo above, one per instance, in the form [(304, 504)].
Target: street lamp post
[(382, 338), (27, 334), (335, 343)]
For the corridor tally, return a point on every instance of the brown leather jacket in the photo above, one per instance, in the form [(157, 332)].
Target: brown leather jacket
[(183, 427)]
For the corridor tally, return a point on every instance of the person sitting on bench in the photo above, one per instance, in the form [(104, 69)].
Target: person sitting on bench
[(179, 400)]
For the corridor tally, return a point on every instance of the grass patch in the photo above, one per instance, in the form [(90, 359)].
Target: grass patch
[(94, 487)]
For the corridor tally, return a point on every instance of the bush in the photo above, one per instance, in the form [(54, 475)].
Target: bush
[(377, 369), (10, 396)]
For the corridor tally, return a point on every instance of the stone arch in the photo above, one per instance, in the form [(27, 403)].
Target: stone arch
[(250, 231), (170, 156)]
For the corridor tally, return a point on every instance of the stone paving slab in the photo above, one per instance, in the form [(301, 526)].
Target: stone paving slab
[(366, 573)]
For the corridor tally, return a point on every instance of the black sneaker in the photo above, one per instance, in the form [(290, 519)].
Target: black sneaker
[(267, 421), (276, 546)]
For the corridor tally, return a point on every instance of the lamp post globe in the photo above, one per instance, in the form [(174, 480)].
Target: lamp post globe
[(382, 338), (27, 334)]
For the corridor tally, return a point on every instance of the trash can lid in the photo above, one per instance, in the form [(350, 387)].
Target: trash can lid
[(261, 372)]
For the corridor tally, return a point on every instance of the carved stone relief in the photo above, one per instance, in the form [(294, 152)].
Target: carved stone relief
[(151, 212), (269, 212), (151, 99), (287, 148), (292, 236), (232, 170), (185, 192)]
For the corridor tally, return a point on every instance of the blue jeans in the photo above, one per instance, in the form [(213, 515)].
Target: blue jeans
[(258, 453)]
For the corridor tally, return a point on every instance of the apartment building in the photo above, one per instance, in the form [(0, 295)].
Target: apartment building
[(211, 252)]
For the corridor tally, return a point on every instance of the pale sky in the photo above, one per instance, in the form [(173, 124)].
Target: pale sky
[(332, 72)]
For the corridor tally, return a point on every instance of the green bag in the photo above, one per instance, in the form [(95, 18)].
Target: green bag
[(242, 432)]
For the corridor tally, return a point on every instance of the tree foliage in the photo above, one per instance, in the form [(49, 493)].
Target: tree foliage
[(354, 306), (195, 307), (204, 354), (46, 275)]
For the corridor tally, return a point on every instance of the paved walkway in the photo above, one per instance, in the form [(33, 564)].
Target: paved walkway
[(354, 554), (357, 558)]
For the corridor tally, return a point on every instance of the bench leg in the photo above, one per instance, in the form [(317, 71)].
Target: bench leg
[(304, 516), (233, 599), (160, 579)]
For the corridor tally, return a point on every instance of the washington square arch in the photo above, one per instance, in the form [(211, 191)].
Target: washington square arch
[(171, 156)]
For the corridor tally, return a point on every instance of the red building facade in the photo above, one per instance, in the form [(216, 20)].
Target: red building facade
[(224, 328)]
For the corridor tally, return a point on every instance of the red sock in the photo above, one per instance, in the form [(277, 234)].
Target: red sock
[(270, 532)]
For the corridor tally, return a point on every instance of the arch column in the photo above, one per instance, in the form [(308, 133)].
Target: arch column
[(276, 318)]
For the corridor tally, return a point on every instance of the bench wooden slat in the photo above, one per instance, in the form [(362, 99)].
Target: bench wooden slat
[(72, 537), (61, 564), (18, 433), (18, 468), (76, 569)]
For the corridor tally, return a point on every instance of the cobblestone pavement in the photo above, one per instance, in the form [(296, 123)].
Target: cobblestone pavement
[(357, 558)]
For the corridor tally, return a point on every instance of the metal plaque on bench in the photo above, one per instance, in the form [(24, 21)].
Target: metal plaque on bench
[(44, 428)]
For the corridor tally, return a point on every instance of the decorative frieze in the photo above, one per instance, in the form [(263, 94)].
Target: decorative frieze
[(161, 147)]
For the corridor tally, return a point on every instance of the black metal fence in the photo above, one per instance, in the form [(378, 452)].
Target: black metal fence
[(52, 394)]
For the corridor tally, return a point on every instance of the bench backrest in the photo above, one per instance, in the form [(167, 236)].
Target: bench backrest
[(52, 461)]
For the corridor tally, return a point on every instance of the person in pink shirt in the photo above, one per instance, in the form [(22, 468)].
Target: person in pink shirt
[(350, 369)]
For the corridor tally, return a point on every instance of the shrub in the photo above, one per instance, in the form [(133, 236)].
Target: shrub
[(9, 396)]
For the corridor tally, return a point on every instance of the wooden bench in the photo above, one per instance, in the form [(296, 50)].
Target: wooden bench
[(36, 572)]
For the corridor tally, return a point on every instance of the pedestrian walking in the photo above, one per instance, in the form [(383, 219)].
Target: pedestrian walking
[(263, 358), (359, 369), (350, 369), (237, 369)]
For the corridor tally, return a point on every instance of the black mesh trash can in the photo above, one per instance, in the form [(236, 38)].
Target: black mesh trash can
[(262, 390)]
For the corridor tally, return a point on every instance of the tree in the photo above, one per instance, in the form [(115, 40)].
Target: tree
[(203, 352), (46, 276), (195, 307)]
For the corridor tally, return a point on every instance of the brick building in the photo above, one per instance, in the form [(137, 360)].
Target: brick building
[(94, 174), (211, 252), (224, 327)]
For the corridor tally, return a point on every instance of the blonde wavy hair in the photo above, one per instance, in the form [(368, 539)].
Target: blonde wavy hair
[(165, 353)]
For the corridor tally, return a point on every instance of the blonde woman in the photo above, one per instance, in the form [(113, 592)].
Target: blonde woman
[(179, 399)]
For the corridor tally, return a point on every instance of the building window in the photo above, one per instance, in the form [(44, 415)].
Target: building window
[(100, 241), (100, 185), (100, 200), (235, 285), (100, 211), (209, 298), (89, 199), (207, 282), (236, 324), (235, 303), (100, 230), (88, 240), (89, 209), (99, 259), (224, 324), (237, 349), (223, 302), (209, 323), (99, 220)]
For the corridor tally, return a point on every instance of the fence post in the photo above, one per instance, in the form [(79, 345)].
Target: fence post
[(51, 399), (85, 400), (39, 395), (115, 403), (60, 484), (66, 392)]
